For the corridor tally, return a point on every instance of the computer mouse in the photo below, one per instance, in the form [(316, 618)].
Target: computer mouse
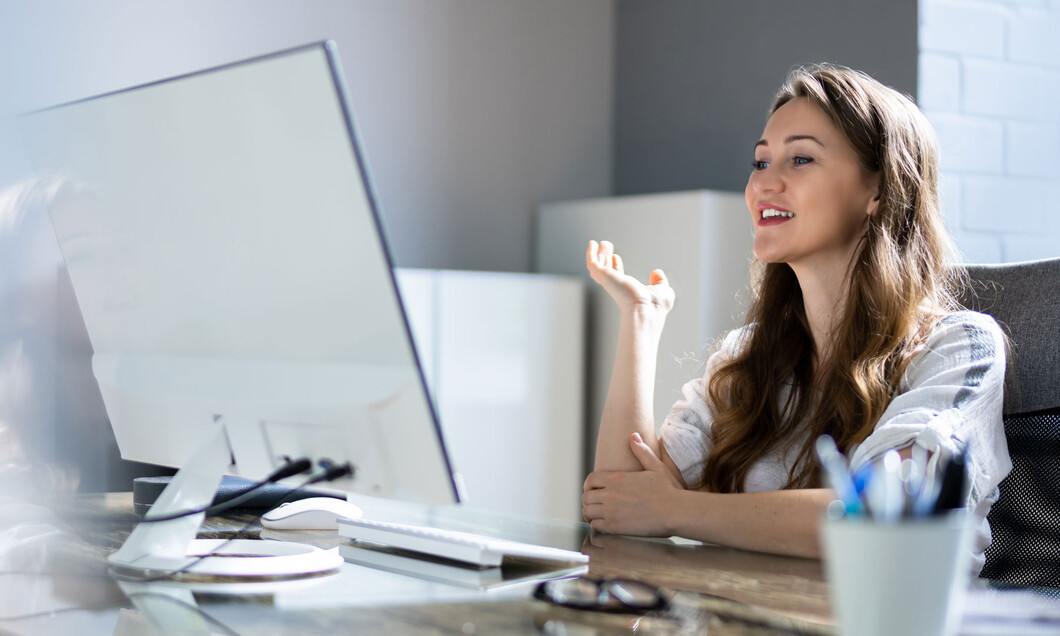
[(312, 513)]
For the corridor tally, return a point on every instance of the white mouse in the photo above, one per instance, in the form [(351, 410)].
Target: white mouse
[(313, 513)]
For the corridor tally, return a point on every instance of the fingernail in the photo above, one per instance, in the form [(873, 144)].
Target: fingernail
[(636, 436)]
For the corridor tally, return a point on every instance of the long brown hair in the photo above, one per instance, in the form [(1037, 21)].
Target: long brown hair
[(899, 285)]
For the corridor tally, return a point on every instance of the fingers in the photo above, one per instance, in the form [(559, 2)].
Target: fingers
[(607, 250), (595, 516), (594, 496), (657, 280), (597, 479), (602, 255), (644, 454), (593, 511), (592, 505)]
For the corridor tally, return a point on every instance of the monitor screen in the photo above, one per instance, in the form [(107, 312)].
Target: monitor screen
[(225, 249)]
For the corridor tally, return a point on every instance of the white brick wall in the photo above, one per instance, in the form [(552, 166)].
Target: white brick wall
[(989, 81)]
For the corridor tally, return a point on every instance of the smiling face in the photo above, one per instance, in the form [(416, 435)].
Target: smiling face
[(809, 194)]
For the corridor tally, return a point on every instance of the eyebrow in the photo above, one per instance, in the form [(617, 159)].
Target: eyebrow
[(763, 142)]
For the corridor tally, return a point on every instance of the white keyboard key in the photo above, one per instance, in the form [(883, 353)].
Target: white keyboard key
[(451, 544)]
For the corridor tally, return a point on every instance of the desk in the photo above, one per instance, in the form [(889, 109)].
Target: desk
[(66, 588)]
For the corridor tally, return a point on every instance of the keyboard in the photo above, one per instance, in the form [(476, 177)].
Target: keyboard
[(449, 572), (465, 547)]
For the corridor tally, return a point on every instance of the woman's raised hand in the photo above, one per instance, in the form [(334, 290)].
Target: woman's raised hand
[(605, 267)]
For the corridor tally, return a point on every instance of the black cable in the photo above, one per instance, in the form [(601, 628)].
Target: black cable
[(289, 469), (331, 472)]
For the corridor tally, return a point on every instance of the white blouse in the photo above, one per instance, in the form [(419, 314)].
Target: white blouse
[(950, 398)]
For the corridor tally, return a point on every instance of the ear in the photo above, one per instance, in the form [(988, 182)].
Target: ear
[(874, 187), (874, 206)]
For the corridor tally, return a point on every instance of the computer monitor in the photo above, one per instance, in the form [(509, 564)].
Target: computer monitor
[(225, 250)]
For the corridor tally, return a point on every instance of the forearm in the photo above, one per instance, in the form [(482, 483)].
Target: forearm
[(631, 393), (780, 522)]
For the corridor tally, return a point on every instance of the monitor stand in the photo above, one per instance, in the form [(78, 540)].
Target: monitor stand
[(169, 549)]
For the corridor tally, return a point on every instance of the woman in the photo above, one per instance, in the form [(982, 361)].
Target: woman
[(852, 331)]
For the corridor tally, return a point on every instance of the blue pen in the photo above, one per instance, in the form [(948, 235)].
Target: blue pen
[(863, 478), (838, 475)]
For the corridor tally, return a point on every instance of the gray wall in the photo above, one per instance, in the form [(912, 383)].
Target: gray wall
[(694, 79), (470, 113)]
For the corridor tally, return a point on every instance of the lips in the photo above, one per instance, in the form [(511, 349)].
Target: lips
[(773, 215)]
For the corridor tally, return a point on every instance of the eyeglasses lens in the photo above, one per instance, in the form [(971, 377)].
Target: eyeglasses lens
[(575, 592), (610, 595), (635, 595)]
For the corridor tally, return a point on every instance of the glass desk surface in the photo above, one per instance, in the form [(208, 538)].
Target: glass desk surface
[(56, 582)]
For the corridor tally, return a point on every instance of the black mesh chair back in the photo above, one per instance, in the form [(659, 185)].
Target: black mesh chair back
[(1024, 298)]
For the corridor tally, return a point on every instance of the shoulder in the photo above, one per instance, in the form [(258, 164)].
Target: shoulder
[(722, 350), (969, 319), (961, 342), (735, 341), (727, 347), (968, 330)]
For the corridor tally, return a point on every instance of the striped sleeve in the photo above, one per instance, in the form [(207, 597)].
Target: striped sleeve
[(950, 401)]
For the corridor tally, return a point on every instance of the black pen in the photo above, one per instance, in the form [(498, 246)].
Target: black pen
[(954, 482)]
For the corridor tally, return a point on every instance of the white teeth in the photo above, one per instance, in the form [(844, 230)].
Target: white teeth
[(769, 213)]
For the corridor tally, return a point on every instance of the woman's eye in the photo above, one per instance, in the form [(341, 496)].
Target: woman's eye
[(759, 165), (801, 161)]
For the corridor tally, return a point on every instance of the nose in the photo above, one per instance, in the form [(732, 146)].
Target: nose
[(766, 180)]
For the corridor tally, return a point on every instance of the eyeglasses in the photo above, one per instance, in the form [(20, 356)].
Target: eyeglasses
[(609, 595)]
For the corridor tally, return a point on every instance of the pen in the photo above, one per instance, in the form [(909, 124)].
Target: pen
[(954, 481), (885, 492), (838, 475), (863, 478)]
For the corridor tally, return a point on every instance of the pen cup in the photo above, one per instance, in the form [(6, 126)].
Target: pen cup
[(907, 577)]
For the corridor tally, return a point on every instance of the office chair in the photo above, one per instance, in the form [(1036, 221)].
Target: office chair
[(1024, 298)]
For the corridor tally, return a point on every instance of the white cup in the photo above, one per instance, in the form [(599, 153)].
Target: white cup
[(903, 578)]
